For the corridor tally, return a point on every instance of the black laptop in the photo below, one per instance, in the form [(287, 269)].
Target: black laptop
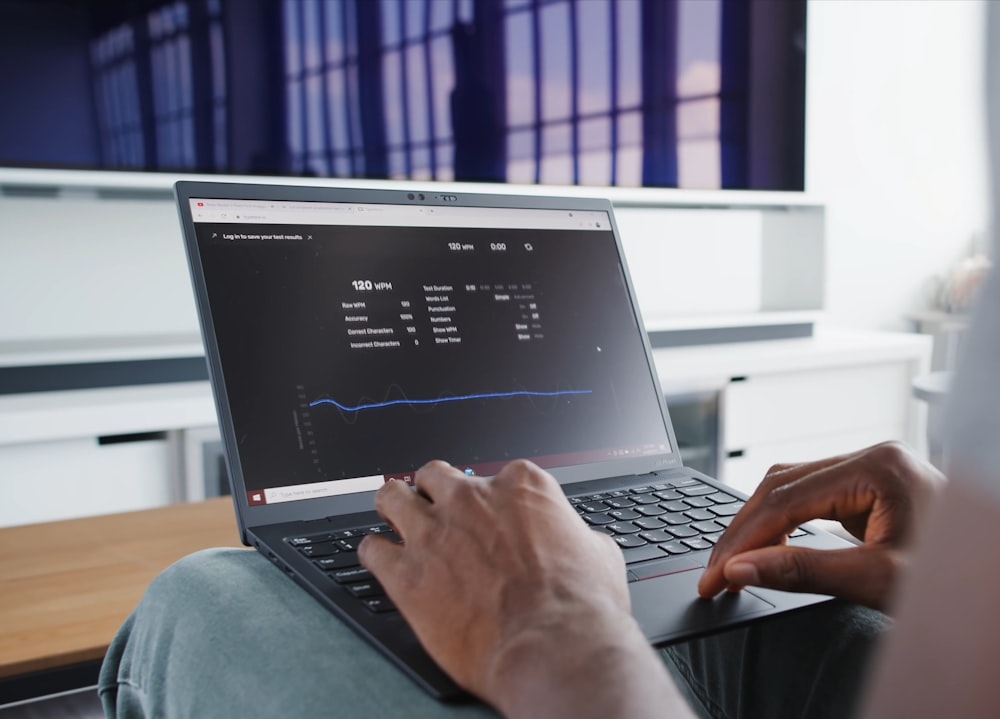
[(354, 334)]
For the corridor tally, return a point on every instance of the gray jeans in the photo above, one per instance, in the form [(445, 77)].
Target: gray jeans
[(224, 633)]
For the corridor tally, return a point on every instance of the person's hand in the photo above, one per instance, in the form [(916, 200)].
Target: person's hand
[(878, 494), (489, 568)]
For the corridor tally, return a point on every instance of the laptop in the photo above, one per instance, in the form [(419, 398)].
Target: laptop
[(354, 334)]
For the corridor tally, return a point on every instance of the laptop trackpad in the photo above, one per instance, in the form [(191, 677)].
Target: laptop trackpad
[(668, 607)]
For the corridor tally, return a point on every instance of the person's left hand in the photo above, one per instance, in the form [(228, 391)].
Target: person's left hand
[(487, 565), (879, 494)]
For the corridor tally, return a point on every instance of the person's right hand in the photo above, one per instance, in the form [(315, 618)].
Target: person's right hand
[(878, 494), (515, 597)]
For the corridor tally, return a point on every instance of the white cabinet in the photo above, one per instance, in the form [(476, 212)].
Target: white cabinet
[(86, 452), (745, 468), (46, 481), (805, 415), (804, 399), (765, 408)]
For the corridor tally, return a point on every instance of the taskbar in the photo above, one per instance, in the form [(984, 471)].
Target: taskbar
[(353, 485)]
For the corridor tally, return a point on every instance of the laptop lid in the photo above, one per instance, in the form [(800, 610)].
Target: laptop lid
[(354, 334)]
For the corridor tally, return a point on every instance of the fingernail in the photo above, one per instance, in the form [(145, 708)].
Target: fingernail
[(742, 573)]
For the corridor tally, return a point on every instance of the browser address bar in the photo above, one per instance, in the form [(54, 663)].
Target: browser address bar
[(395, 215)]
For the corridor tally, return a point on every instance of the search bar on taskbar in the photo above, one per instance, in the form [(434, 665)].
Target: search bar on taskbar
[(315, 490)]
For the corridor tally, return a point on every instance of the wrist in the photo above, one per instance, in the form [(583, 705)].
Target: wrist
[(560, 663)]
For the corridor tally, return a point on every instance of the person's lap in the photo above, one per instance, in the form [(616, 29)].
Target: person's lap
[(811, 663), (224, 633)]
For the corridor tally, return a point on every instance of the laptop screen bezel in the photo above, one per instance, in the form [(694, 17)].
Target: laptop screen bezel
[(317, 508)]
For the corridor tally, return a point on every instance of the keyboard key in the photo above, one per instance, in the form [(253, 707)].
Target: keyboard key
[(627, 541), (696, 491), (722, 498), (596, 497), (324, 549), (700, 515), (657, 536), (699, 501), (675, 548), (617, 493), (641, 490), (623, 528), (645, 498), (676, 518), (354, 574), (376, 529), (651, 510), (576, 500), (660, 487), (697, 543), (669, 495), (727, 510), (724, 521), (677, 506), (598, 518), (683, 531), (345, 533), (350, 545), (623, 514), (708, 527), (619, 502), (338, 561), (311, 539), (379, 605), (590, 507), (642, 554), (649, 523), (688, 483), (370, 588)]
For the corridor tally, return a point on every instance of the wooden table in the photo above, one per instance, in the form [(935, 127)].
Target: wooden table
[(66, 587)]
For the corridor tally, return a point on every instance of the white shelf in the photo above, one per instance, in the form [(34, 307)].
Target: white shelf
[(750, 319), (33, 353), (96, 180), (679, 367), (48, 416)]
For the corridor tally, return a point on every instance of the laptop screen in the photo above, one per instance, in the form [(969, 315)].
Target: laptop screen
[(359, 341)]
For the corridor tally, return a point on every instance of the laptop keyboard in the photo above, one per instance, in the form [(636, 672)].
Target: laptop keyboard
[(336, 553), (661, 520), (653, 522)]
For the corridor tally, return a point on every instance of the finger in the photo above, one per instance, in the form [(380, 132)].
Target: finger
[(810, 482), (836, 491), (380, 556), (778, 476), (786, 473), (436, 479), (522, 478), (861, 574), (401, 507)]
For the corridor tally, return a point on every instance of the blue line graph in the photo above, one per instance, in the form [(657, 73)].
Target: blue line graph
[(442, 400)]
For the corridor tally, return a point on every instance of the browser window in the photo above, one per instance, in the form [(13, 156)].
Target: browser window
[(382, 336)]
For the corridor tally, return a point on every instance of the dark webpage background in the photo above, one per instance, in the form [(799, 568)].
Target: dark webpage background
[(277, 306)]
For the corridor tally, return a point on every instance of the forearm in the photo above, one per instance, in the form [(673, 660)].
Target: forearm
[(598, 666), (941, 656)]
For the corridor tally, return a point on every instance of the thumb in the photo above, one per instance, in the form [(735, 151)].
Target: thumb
[(865, 575)]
